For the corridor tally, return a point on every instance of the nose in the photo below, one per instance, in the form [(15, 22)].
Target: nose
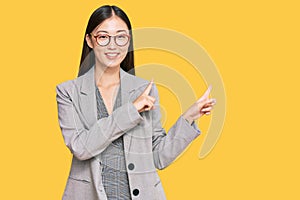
[(112, 44)]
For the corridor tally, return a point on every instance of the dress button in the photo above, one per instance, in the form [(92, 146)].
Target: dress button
[(135, 192), (131, 166)]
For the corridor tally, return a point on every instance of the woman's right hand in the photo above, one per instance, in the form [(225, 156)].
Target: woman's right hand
[(145, 102)]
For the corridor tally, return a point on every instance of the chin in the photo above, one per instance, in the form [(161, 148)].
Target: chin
[(114, 63)]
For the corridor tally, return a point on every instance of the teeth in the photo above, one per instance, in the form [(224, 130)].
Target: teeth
[(112, 54)]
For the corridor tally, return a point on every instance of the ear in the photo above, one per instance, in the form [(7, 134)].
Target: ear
[(89, 41)]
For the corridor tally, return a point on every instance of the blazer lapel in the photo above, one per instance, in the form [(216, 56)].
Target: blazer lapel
[(128, 95), (127, 86), (87, 100)]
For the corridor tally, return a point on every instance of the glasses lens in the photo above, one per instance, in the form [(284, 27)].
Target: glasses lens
[(122, 39), (103, 40)]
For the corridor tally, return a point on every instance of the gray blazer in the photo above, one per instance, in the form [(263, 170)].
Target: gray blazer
[(147, 146)]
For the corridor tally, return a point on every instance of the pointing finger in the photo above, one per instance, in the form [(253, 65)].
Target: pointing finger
[(148, 88), (206, 94)]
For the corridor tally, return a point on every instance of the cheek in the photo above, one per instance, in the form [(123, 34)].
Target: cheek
[(98, 50), (125, 48), (124, 52)]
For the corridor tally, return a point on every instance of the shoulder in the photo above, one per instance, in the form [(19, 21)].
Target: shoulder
[(135, 79), (133, 82), (73, 83), (67, 87), (139, 84)]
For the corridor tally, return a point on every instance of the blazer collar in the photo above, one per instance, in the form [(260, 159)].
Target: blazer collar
[(88, 83)]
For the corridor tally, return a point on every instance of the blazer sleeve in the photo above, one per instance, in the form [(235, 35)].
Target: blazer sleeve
[(85, 143), (167, 147)]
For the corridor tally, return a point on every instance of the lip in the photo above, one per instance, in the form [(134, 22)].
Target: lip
[(112, 55)]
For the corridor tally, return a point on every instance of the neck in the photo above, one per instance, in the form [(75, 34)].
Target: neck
[(106, 76)]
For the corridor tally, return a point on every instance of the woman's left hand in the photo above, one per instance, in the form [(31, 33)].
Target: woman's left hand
[(202, 106)]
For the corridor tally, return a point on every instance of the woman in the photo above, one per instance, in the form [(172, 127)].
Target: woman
[(110, 119)]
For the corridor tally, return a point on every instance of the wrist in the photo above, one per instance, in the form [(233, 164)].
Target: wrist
[(188, 119)]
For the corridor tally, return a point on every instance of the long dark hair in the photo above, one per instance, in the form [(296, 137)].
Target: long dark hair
[(88, 56)]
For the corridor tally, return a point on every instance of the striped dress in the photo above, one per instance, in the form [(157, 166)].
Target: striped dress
[(114, 173)]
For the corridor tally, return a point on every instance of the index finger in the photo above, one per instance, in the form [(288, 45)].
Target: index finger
[(206, 94), (148, 88)]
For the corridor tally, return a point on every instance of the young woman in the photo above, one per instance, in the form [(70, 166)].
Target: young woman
[(110, 119)]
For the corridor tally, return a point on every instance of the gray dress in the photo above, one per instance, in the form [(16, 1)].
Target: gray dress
[(114, 174)]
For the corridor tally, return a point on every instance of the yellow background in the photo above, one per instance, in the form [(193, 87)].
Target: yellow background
[(255, 45)]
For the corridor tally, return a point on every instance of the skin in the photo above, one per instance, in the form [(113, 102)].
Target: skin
[(107, 73), (107, 68)]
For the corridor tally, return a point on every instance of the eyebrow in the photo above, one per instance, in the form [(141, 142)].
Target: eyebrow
[(118, 31)]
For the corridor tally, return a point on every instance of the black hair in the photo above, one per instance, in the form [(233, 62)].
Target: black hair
[(98, 16)]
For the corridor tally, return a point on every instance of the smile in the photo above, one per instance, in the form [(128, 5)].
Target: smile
[(112, 55)]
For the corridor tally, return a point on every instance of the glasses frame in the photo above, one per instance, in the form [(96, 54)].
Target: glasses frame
[(109, 39)]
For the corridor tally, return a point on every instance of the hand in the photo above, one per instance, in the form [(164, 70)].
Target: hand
[(202, 106), (145, 102)]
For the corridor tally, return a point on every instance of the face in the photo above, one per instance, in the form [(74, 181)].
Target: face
[(113, 53)]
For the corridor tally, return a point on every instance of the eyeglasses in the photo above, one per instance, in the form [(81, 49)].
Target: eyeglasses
[(104, 39)]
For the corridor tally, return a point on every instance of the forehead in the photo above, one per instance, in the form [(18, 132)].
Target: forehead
[(112, 25)]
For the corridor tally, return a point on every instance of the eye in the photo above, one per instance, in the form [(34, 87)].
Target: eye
[(102, 37), (121, 37)]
